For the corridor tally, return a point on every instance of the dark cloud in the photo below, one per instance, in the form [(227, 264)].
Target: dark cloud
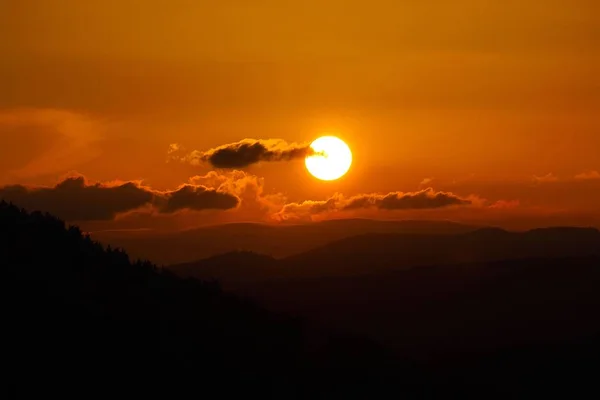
[(246, 152), (198, 198), (421, 200), (74, 199)]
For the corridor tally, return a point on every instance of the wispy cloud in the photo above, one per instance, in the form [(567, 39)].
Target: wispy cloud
[(587, 175), (73, 139), (548, 178)]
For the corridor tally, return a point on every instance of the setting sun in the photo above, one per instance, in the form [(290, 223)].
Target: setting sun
[(333, 158)]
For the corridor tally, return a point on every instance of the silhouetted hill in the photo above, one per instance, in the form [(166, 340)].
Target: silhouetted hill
[(82, 318), (439, 309), (373, 252), (491, 307), (275, 240), (370, 253), (233, 267)]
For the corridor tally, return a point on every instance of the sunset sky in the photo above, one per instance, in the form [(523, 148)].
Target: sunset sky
[(482, 111)]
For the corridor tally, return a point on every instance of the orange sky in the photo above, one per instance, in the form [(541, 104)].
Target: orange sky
[(480, 97)]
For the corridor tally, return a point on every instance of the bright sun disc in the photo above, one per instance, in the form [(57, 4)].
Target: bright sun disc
[(333, 158)]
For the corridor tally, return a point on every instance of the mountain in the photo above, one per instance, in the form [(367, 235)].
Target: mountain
[(441, 310), (373, 252), (424, 294), (370, 253), (278, 241), (237, 267), (81, 317)]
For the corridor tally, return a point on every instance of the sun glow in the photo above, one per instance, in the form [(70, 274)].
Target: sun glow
[(332, 159)]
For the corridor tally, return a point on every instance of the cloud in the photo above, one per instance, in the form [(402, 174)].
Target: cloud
[(424, 199), (249, 188), (174, 147), (196, 198), (425, 182), (308, 208), (584, 176), (420, 200), (505, 204), (548, 178), (49, 141), (587, 175), (74, 199), (245, 153)]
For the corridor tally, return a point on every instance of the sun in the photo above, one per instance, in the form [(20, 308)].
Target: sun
[(332, 159)]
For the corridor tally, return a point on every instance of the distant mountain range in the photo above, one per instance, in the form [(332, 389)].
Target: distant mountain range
[(447, 310), (428, 295), (378, 252), (277, 241)]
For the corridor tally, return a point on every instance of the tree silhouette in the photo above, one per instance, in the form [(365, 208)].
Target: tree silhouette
[(85, 313)]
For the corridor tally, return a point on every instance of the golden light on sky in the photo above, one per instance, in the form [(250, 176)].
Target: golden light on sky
[(332, 159), (497, 100)]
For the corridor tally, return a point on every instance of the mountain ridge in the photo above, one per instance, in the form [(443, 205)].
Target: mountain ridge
[(355, 254), (279, 241)]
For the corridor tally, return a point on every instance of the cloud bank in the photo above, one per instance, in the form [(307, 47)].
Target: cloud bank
[(74, 199), (420, 200), (245, 153), (427, 198)]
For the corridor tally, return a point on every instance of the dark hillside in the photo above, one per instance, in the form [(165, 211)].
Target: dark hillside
[(450, 310), (84, 320), (79, 316)]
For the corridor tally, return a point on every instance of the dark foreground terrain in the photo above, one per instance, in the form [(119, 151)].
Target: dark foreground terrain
[(82, 319)]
